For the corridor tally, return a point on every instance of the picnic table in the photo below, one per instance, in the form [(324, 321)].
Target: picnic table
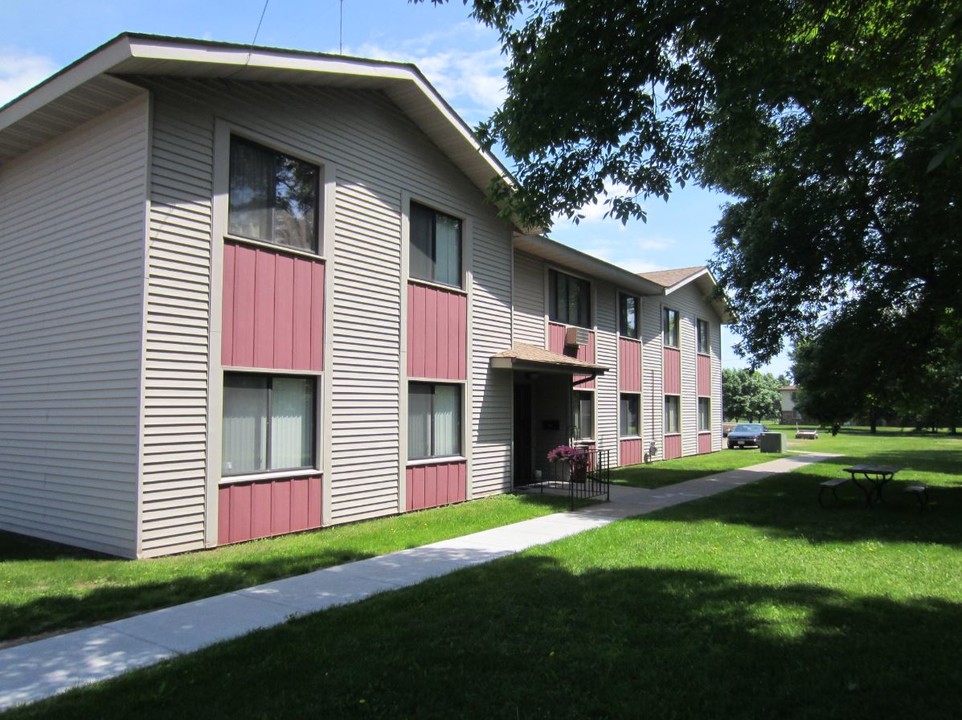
[(873, 479)]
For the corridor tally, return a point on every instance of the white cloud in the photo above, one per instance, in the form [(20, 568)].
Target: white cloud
[(464, 65), (21, 71), (595, 212)]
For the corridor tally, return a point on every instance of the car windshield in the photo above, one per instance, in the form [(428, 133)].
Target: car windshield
[(748, 428)]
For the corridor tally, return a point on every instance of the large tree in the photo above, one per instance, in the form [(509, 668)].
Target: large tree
[(751, 395), (834, 125)]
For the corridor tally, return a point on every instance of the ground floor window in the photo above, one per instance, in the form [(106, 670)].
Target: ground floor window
[(672, 414), (704, 414), (582, 415), (269, 423), (630, 406), (434, 420)]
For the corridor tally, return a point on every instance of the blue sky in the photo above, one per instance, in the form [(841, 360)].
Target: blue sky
[(460, 58)]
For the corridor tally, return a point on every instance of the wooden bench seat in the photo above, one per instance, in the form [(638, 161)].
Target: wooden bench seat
[(832, 484), (921, 493)]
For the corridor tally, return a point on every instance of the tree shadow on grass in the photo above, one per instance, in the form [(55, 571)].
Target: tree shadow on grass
[(527, 637), (787, 506)]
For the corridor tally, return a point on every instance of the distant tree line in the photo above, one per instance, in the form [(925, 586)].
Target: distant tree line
[(750, 395)]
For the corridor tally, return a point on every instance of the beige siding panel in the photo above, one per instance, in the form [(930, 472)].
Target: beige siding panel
[(529, 310), (692, 305), (378, 156), (71, 298), (178, 317), (492, 390), (366, 361), (652, 396), (606, 353)]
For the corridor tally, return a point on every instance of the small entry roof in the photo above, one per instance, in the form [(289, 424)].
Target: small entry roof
[(531, 358)]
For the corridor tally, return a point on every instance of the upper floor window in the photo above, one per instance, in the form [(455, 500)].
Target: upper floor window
[(629, 311), (704, 337), (569, 299), (273, 197), (435, 241), (670, 328)]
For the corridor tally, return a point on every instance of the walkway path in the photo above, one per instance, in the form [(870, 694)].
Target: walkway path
[(37, 670)]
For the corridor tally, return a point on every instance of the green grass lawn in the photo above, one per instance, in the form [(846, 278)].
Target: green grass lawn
[(751, 604), (46, 587), (669, 472)]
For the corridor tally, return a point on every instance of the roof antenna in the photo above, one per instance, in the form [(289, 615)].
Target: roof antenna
[(250, 49), (258, 30), (340, 35)]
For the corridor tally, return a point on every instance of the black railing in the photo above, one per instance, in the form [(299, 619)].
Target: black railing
[(580, 481)]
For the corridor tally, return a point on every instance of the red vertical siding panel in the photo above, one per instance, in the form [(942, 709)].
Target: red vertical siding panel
[(223, 516), (261, 510), (430, 334), (281, 507), (418, 494), (284, 313), (629, 365), (227, 316), (434, 485), (302, 315), (300, 497), (415, 331), (264, 309), (452, 338), (704, 375), (462, 337), (672, 446), (317, 316), (672, 371), (244, 282), (704, 442), (430, 485), (630, 452), (240, 512), (314, 501), (556, 338)]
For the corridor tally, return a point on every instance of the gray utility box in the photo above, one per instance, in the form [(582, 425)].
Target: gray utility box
[(772, 442)]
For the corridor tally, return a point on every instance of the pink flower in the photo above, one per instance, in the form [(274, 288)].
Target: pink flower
[(574, 456)]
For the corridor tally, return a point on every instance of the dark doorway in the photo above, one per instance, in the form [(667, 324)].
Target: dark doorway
[(523, 465)]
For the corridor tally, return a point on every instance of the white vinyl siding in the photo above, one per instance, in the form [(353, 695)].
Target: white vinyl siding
[(652, 398), (178, 325), (490, 325), (606, 354), (529, 312), (72, 216), (378, 156), (691, 305)]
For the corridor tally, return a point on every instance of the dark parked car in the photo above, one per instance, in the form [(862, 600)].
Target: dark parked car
[(745, 435)]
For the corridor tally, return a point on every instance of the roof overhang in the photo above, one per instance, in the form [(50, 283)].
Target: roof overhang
[(670, 281), (555, 252), (92, 85), (530, 358)]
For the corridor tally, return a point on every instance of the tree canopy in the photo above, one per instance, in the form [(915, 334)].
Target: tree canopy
[(749, 394), (834, 125)]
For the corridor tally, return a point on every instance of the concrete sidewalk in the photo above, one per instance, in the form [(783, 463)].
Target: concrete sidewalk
[(37, 670)]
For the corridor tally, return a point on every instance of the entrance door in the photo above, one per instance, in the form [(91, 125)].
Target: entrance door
[(523, 466)]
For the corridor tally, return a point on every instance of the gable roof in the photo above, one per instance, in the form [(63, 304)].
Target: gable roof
[(94, 84), (673, 280)]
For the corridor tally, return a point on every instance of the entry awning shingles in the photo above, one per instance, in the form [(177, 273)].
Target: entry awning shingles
[(532, 358)]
